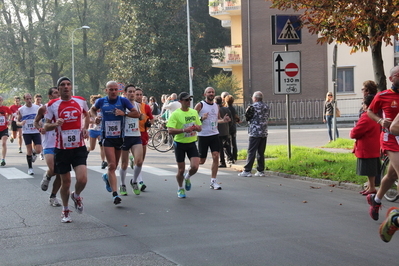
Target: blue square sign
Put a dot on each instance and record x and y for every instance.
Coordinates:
(286, 29)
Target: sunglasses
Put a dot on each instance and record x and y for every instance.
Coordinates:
(330, 95)
(187, 100)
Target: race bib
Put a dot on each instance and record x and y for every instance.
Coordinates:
(112, 128)
(132, 127)
(28, 126)
(192, 133)
(2, 120)
(71, 138)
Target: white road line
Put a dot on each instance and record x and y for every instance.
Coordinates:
(157, 171)
(14, 173)
(204, 171)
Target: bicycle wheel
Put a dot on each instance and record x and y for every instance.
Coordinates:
(162, 141)
(151, 131)
(392, 194)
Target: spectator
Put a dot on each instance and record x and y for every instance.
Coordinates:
(229, 100)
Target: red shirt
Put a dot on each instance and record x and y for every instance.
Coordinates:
(14, 108)
(69, 134)
(388, 102)
(366, 133)
(4, 113)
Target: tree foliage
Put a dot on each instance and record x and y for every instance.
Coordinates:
(358, 23)
(224, 82)
(152, 51)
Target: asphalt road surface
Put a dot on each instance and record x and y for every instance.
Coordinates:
(251, 221)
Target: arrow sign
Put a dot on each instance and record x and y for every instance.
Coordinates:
(287, 74)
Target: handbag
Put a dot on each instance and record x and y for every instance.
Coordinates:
(337, 112)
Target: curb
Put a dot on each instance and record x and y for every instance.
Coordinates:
(336, 184)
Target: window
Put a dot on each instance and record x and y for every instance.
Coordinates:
(345, 80)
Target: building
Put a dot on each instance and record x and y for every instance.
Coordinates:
(250, 58)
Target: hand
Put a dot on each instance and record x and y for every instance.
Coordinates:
(226, 118)
(386, 122)
(59, 122)
(204, 116)
(97, 120)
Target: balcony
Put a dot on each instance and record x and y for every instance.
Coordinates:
(227, 57)
(224, 9)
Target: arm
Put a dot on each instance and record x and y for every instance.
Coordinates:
(19, 118)
(198, 108)
(39, 116)
(48, 126)
(384, 122)
(395, 126)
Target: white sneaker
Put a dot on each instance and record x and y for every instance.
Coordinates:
(214, 185)
(54, 202)
(260, 173)
(41, 156)
(44, 183)
(65, 216)
(244, 173)
(30, 171)
(34, 157)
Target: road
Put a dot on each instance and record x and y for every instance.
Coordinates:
(251, 221)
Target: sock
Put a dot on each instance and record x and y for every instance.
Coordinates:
(114, 194)
(376, 199)
(122, 173)
(65, 208)
(187, 175)
(213, 179)
(53, 195)
(180, 188)
(395, 220)
(75, 195)
(137, 174)
(29, 159)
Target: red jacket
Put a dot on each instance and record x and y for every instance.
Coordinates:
(367, 135)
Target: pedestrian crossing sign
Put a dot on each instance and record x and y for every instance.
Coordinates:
(286, 29)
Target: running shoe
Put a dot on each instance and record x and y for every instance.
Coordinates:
(181, 193)
(78, 203)
(142, 186)
(65, 216)
(19, 150)
(30, 171)
(260, 173)
(34, 157)
(3, 162)
(222, 165)
(122, 190)
(214, 185)
(11, 139)
(244, 173)
(187, 184)
(135, 186)
(41, 156)
(117, 200)
(388, 227)
(107, 185)
(131, 159)
(54, 202)
(104, 164)
(44, 183)
(374, 206)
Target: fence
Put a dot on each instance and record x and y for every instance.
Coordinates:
(307, 111)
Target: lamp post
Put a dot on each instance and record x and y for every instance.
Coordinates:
(73, 59)
(190, 67)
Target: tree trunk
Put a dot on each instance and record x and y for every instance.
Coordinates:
(378, 66)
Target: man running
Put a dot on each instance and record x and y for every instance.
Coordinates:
(25, 118)
(48, 141)
(113, 120)
(66, 115)
(16, 130)
(132, 142)
(209, 136)
(5, 117)
(184, 123)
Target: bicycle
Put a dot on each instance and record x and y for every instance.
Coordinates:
(392, 194)
(162, 141)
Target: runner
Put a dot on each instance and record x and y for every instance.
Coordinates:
(5, 118)
(25, 118)
(113, 119)
(48, 141)
(184, 123)
(68, 113)
(132, 142)
(16, 130)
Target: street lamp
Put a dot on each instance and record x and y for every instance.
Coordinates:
(73, 59)
(190, 66)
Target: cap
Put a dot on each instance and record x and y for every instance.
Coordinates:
(184, 96)
(61, 79)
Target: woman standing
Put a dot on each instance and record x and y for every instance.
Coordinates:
(229, 100)
(367, 147)
(329, 114)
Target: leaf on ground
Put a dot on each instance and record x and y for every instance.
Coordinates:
(314, 187)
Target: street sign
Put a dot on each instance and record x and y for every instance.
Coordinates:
(287, 72)
(121, 87)
(286, 29)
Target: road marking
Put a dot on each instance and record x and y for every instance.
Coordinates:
(157, 171)
(205, 171)
(14, 173)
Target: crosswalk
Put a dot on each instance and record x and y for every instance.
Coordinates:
(15, 173)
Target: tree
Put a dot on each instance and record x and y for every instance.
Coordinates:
(152, 49)
(361, 24)
(224, 82)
